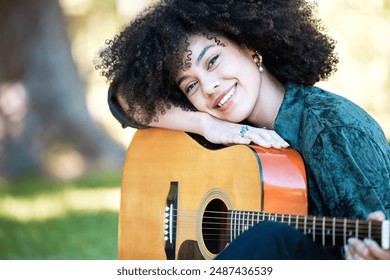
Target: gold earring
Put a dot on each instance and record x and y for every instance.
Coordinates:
(258, 59)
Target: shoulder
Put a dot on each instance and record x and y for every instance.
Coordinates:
(331, 109)
(329, 113)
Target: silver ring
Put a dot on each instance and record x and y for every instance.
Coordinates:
(244, 129)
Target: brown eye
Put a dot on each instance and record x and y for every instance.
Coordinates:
(190, 87)
(212, 61)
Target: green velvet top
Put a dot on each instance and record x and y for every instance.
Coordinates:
(345, 151)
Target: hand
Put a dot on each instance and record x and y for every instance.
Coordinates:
(367, 249)
(226, 133)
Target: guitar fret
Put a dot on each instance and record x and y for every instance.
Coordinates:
(314, 229)
(334, 232)
(345, 231)
(323, 230)
(357, 228)
(369, 229)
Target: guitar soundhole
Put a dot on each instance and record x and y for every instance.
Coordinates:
(214, 226)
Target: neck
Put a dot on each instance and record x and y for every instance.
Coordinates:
(268, 103)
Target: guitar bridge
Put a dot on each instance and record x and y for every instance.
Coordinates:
(171, 221)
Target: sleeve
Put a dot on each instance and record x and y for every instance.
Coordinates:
(349, 172)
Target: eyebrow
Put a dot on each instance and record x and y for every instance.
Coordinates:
(181, 80)
(202, 53)
(198, 60)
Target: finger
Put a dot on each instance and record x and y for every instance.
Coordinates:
(265, 138)
(276, 137)
(259, 140)
(347, 252)
(273, 137)
(376, 251)
(351, 253)
(359, 250)
(377, 216)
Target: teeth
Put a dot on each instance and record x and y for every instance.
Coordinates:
(227, 97)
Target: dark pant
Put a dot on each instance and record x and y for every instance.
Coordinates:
(273, 241)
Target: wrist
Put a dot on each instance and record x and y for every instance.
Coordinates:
(205, 121)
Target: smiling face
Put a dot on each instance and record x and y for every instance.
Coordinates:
(223, 79)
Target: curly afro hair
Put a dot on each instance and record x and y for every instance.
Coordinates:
(141, 61)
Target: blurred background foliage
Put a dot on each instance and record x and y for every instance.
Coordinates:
(61, 151)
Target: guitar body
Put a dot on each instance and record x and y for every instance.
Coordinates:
(239, 177)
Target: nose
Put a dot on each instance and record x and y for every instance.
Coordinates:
(212, 87)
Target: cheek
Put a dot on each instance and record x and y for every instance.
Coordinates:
(251, 79)
(199, 103)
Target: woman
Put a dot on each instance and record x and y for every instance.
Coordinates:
(228, 69)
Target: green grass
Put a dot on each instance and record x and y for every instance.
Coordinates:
(46, 220)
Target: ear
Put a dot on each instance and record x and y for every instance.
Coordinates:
(248, 51)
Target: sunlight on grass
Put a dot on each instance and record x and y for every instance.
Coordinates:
(47, 219)
(47, 206)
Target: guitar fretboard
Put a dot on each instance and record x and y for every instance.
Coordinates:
(324, 231)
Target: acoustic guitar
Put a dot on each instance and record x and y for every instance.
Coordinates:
(184, 198)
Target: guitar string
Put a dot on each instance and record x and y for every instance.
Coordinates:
(330, 229)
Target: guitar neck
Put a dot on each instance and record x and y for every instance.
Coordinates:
(324, 231)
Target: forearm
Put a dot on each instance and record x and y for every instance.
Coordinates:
(178, 119)
(215, 130)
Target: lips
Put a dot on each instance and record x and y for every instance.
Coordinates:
(224, 97)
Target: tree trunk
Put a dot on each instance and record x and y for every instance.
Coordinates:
(42, 102)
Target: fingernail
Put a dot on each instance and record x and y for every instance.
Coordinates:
(368, 242)
(267, 144)
(351, 240)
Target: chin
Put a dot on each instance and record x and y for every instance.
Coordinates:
(235, 119)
